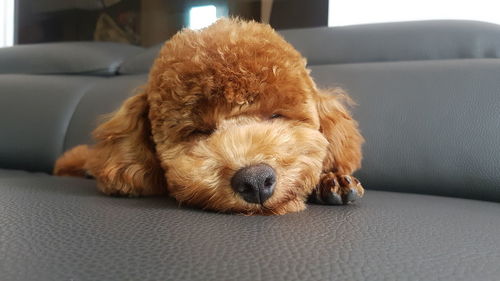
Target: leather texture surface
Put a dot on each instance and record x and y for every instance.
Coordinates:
(35, 112)
(430, 126)
(56, 228)
(87, 58)
(400, 41)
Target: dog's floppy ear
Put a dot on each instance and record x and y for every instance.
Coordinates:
(123, 160)
(341, 131)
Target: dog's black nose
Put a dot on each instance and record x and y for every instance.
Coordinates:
(254, 183)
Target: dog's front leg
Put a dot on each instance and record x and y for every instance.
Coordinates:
(334, 189)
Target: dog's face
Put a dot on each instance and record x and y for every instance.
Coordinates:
(230, 120)
(249, 164)
(234, 119)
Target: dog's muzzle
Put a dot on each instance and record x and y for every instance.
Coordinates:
(254, 183)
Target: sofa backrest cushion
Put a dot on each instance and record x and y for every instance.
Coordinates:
(140, 63)
(104, 97)
(401, 41)
(85, 58)
(42, 116)
(430, 126)
(35, 113)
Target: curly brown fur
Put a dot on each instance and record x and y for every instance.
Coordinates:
(206, 112)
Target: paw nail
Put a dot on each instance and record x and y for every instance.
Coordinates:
(349, 180)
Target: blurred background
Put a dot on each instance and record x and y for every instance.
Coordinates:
(148, 22)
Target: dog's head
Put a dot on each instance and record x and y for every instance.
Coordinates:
(236, 122)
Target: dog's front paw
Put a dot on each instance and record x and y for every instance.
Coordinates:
(336, 189)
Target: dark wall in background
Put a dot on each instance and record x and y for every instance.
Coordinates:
(148, 22)
(246, 9)
(299, 13)
(34, 26)
(60, 20)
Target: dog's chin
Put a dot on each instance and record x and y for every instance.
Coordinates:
(284, 201)
(282, 208)
(228, 202)
(248, 209)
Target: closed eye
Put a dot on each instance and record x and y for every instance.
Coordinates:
(276, 115)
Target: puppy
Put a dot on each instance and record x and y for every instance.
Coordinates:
(230, 121)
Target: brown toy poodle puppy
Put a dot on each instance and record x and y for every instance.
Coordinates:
(230, 121)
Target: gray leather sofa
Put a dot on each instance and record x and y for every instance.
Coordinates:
(428, 96)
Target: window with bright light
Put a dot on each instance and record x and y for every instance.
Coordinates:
(202, 16)
(350, 12)
(6, 23)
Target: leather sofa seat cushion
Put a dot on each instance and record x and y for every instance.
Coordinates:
(85, 58)
(57, 228)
